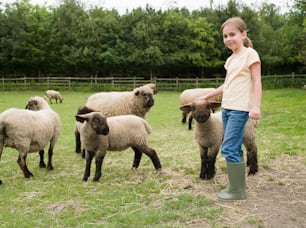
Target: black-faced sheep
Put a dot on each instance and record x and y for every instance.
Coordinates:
(137, 102)
(52, 94)
(209, 135)
(30, 131)
(100, 134)
(188, 96)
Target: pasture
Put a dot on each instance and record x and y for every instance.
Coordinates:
(174, 197)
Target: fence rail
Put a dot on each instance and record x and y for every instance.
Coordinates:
(120, 83)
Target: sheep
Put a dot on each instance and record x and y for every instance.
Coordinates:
(188, 95)
(209, 135)
(100, 134)
(52, 94)
(137, 102)
(30, 131)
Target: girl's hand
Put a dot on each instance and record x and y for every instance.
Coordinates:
(255, 113)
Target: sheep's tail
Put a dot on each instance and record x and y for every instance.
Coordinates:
(147, 127)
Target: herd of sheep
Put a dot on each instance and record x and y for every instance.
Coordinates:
(113, 121)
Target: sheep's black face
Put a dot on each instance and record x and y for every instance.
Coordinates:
(150, 102)
(32, 105)
(201, 111)
(202, 117)
(99, 125)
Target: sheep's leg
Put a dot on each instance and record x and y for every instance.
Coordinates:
(211, 161)
(41, 160)
(137, 158)
(89, 157)
(77, 142)
(252, 162)
(151, 153)
(50, 154)
(83, 153)
(184, 116)
(99, 161)
(190, 122)
(22, 163)
(204, 164)
(1, 148)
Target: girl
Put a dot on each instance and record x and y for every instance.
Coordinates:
(241, 100)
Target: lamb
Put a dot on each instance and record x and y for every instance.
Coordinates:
(137, 102)
(209, 134)
(188, 95)
(52, 94)
(100, 134)
(30, 131)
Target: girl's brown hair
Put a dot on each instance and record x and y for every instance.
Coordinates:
(241, 26)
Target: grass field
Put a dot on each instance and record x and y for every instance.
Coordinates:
(142, 198)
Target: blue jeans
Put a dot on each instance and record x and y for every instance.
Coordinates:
(234, 126)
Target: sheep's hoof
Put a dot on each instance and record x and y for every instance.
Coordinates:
(85, 179)
(42, 165)
(28, 175)
(96, 179)
(50, 167)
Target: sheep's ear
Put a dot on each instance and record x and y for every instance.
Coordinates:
(186, 108)
(81, 118)
(137, 92)
(214, 104)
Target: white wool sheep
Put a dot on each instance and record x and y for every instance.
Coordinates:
(52, 94)
(30, 131)
(188, 96)
(209, 135)
(137, 102)
(100, 134)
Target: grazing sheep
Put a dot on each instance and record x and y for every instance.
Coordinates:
(30, 131)
(188, 95)
(137, 102)
(209, 135)
(52, 94)
(100, 134)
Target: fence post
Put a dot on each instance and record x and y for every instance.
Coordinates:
(25, 82)
(2, 83)
(197, 82)
(292, 79)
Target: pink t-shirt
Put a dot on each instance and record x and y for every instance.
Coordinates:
(238, 91)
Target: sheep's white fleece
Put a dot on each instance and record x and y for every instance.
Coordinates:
(124, 131)
(122, 103)
(27, 130)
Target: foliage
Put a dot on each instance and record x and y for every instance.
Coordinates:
(70, 39)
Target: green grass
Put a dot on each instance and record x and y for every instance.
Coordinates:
(127, 198)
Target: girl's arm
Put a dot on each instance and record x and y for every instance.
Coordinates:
(256, 78)
(216, 92)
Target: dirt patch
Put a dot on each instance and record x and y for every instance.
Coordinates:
(276, 195)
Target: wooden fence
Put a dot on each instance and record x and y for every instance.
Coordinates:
(121, 83)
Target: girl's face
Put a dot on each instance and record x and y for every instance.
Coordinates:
(233, 38)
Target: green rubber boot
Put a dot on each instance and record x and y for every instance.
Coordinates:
(236, 189)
